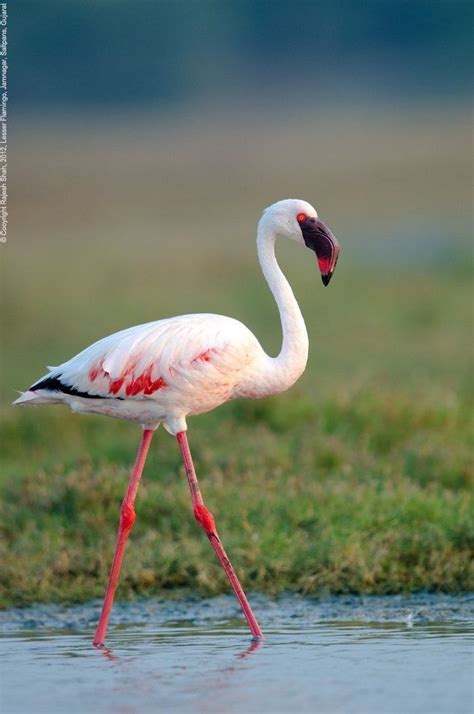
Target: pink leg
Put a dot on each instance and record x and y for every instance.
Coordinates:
(206, 520)
(127, 519)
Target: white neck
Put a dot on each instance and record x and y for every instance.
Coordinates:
(284, 370)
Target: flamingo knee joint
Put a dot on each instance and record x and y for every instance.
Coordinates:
(204, 518)
(127, 516)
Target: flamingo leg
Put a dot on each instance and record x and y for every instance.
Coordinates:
(127, 519)
(206, 521)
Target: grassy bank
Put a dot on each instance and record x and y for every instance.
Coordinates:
(369, 493)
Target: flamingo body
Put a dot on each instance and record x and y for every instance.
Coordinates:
(159, 372)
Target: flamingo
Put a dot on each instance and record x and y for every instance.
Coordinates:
(163, 371)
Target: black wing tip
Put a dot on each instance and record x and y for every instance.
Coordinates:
(54, 384)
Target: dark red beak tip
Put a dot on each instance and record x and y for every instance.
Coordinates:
(326, 279)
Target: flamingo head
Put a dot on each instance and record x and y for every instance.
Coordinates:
(298, 220)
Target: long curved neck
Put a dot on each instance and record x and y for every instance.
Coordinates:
(285, 369)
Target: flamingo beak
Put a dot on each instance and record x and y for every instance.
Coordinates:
(320, 238)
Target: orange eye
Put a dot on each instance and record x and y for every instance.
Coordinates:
(301, 217)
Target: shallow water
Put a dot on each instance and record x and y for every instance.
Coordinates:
(345, 654)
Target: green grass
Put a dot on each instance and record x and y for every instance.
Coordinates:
(357, 480)
(368, 493)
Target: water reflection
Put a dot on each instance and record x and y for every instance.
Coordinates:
(107, 653)
(253, 646)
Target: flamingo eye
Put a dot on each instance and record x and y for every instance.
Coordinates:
(301, 217)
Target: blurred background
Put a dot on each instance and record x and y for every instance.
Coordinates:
(145, 139)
